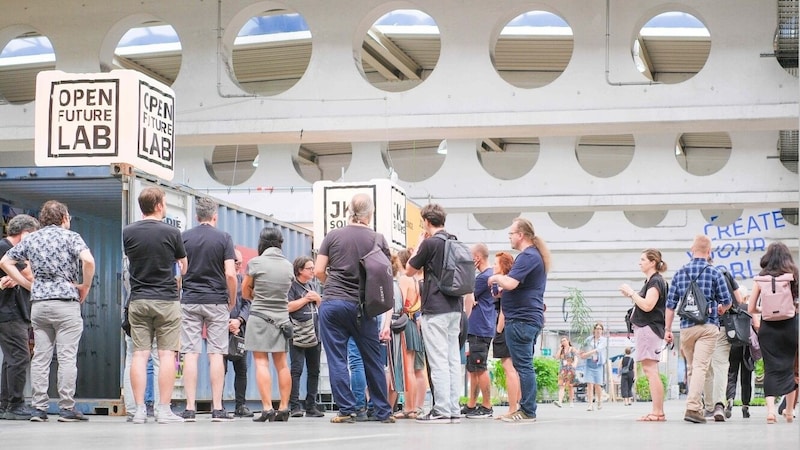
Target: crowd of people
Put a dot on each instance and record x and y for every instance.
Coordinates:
(190, 293)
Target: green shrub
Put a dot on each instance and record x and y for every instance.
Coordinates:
(643, 387)
(546, 369)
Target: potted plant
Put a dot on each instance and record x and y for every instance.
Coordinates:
(546, 377)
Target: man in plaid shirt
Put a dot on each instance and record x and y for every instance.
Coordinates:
(698, 340)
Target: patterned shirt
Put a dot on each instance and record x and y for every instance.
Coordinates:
(53, 253)
(710, 281)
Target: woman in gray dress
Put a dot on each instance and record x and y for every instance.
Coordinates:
(266, 284)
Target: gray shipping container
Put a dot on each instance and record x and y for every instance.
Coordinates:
(101, 203)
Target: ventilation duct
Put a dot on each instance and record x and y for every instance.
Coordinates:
(786, 36)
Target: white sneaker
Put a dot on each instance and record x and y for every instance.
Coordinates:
(557, 403)
(140, 416)
(164, 414)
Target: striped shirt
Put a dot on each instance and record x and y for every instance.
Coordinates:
(710, 281)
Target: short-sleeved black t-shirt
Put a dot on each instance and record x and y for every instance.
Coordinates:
(9, 297)
(152, 247)
(344, 248)
(430, 256)
(655, 317)
(207, 248)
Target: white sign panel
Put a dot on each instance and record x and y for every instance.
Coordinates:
(98, 119)
(332, 202)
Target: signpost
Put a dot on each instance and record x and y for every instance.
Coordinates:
(97, 119)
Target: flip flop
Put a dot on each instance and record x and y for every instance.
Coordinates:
(652, 418)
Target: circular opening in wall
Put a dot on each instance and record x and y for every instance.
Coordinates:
(22, 58)
(645, 219)
(671, 47)
(721, 218)
(605, 156)
(533, 49)
(496, 221)
(323, 160)
(153, 48)
(271, 52)
(508, 158)
(703, 153)
(415, 161)
(232, 165)
(400, 50)
(571, 220)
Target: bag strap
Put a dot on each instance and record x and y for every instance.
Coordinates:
(264, 316)
(701, 272)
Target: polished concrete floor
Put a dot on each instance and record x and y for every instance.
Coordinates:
(612, 427)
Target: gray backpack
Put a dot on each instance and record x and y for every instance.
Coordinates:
(458, 270)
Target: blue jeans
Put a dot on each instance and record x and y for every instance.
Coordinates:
(520, 338)
(358, 378)
(338, 323)
(148, 390)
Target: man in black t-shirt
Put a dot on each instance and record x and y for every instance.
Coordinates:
(153, 249)
(15, 319)
(441, 320)
(209, 293)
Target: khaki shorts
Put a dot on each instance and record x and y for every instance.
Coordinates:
(159, 319)
(215, 318)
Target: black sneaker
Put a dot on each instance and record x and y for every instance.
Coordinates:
(314, 412)
(37, 415)
(745, 411)
(18, 412)
(243, 411)
(366, 416)
(296, 412)
(481, 412)
(71, 415)
(3, 408)
(466, 410)
(189, 415)
(729, 409)
(433, 416)
(220, 415)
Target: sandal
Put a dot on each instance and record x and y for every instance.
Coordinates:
(788, 416)
(405, 415)
(652, 418)
(771, 418)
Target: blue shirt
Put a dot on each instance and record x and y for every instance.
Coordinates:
(710, 281)
(526, 302)
(484, 315)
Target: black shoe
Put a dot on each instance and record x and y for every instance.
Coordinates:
(243, 411)
(466, 410)
(282, 415)
(189, 415)
(266, 416)
(296, 412)
(745, 411)
(314, 412)
(70, 415)
(150, 410)
(729, 409)
(3, 408)
(17, 412)
(220, 415)
(366, 415)
(37, 415)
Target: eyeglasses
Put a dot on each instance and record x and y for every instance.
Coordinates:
(512, 232)
(308, 268)
(666, 346)
(238, 263)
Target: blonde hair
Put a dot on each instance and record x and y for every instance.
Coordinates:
(525, 227)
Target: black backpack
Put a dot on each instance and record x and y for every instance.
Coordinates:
(376, 282)
(458, 269)
(694, 305)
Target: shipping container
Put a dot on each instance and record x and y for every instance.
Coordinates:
(101, 201)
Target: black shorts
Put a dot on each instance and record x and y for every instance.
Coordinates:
(499, 348)
(478, 353)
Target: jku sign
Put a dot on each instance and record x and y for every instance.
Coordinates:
(103, 118)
